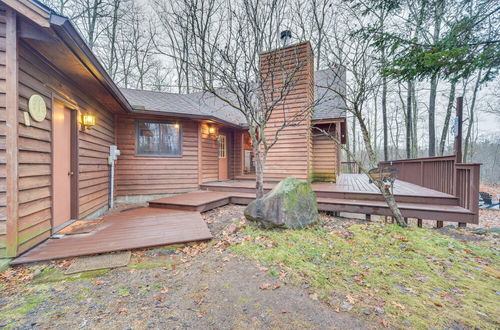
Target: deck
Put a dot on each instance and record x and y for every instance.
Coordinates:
(177, 219)
(354, 194)
(138, 228)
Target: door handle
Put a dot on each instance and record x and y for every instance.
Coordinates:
(70, 173)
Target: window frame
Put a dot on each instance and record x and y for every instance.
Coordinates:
(224, 149)
(181, 131)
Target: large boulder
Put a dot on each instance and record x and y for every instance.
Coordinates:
(291, 204)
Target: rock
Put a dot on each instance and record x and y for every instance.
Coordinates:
(379, 311)
(346, 306)
(483, 231)
(291, 204)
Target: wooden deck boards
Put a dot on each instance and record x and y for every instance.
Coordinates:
(196, 198)
(347, 183)
(132, 229)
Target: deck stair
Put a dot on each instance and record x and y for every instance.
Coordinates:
(201, 201)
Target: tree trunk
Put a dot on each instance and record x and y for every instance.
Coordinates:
(259, 173)
(388, 196)
(471, 118)
(438, 16)
(408, 120)
(384, 118)
(446, 125)
(432, 115)
(414, 140)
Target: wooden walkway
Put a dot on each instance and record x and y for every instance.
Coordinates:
(176, 219)
(138, 228)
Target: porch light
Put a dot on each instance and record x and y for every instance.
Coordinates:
(88, 120)
(211, 129)
(176, 125)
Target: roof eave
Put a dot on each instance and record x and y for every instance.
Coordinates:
(188, 116)
(65, 30)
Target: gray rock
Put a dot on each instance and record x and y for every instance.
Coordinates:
(346, 306)
(291, 204)
(482, 231)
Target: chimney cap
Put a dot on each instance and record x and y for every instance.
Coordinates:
(285, 36)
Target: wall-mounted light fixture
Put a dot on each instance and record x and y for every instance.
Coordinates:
(88, 120)
(176, 125)
(211, 130)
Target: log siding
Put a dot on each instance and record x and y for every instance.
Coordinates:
(35, 149)
(154, 175)
(324, 155)
(291, 155)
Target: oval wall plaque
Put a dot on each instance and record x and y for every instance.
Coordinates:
(37, 108)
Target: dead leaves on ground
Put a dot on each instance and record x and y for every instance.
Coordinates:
(267, 286)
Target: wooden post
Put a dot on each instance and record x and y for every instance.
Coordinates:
(11, 111)
(462, 225)
(406, 220)
(458, 133)
(439, 224)
(419, 223)
(368, 217)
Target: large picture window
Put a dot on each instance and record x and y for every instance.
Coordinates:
(158, 138)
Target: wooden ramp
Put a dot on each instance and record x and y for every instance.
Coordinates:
(132, 229)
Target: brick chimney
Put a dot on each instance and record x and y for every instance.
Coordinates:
(288, 71)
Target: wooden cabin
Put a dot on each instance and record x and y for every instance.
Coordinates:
(61, 115)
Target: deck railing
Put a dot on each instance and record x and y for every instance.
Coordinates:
(442, 174)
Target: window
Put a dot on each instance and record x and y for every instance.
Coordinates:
(158, 138)
(222, 146)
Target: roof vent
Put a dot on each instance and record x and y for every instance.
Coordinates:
(285, 37)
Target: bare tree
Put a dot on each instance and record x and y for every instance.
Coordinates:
(447, 118)
(230, 66)
(356, 54)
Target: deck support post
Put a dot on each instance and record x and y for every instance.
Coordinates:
(439, 224)
(419, 223)
(406, 220)
(462, 225)
(368, 217)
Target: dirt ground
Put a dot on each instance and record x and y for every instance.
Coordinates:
(202, 286)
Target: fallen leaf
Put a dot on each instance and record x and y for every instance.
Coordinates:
(123, 310)
(438, 304)
(398, 305)
(277, 286)
(265, 286)
(165, 290)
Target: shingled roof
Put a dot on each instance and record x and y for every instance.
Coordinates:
(205, 105)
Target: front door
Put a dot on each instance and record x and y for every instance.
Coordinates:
(223, 157)
(61, 119)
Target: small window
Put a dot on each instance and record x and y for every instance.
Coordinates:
(222, 146)
(158, 138)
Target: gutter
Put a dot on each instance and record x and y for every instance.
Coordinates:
(189, 116)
